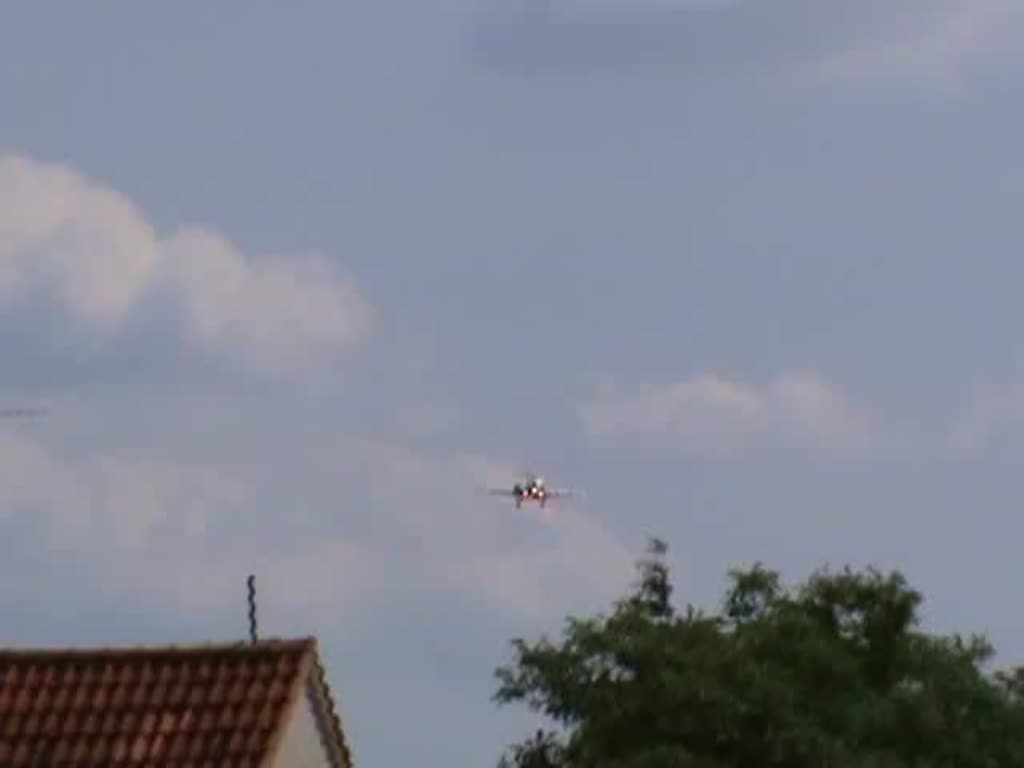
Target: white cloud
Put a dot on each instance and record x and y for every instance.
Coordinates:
(391, 525)
(925, 44)
(179, 536)
(716, 415)
(938, 50)
(89, 241)
(121, 504)
(94, 251)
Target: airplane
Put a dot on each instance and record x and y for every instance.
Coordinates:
(532, 488)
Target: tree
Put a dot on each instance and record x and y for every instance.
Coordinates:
(834, 673)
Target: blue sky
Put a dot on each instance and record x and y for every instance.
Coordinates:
(297, 284)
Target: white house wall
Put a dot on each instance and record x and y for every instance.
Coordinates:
(301, 746)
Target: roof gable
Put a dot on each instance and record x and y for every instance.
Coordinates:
(218, 705)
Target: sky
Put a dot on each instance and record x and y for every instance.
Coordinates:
(298, 282)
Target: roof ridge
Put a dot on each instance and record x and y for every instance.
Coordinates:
(260, 646)
(332, 710)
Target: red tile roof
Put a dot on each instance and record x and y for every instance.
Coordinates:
(214, 705)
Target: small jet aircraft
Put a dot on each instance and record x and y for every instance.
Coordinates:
(532, 489)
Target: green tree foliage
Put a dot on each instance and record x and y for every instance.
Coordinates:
(832, 673)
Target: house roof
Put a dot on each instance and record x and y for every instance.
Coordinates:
(210, 705)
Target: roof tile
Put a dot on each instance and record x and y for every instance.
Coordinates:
(165, 707)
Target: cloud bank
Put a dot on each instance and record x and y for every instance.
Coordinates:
(931, 44)
(87, 248)
(714, 415)
(385, 525)
(938, 49)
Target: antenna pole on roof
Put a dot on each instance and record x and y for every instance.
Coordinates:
(252, 607)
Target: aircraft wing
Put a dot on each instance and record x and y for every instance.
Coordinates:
(561, 493)
(501, 492)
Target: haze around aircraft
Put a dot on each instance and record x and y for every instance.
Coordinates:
(532, 489)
